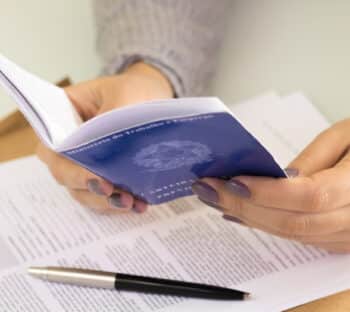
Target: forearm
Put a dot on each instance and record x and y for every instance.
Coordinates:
(180, 38)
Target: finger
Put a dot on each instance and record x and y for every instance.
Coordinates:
(324, 191)
(117, 203)
(287, 222)
(75, 177)
(337, 237)
(324, 151)
(268, 229)
(344, 162)
(85, 98)
(335, 248)
(72, 175)
(140, 206)
(296, 194)
(290, 225)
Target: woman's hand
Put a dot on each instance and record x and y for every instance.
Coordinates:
(139, 83)
(312, 207)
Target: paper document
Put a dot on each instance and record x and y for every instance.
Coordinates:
(41, 225)
(154, 150)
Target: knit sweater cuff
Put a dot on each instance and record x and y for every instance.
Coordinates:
(121, 62)
(181, 38)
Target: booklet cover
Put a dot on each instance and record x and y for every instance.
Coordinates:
(154, 150)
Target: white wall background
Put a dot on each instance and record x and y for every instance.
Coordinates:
(50, 38)
(272, 44)
(288, 45)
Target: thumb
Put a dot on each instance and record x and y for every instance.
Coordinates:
(106, 107)
(84, 98)
(325, 151)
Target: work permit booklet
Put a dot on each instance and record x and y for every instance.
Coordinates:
(40, 224)
(154, 150)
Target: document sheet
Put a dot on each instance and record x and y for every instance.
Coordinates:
(41, 225)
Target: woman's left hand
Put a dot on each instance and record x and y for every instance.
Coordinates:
(312, 207)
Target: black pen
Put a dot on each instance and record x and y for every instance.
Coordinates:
(119, 281)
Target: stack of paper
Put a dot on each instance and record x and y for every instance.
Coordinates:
(41, 225)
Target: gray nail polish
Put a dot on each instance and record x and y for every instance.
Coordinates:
(210, 204)
(94, 187)
(238, 188)
(291, 172)
(115, 201)
(232, 219)
(134, 208)
(136, 205)
(205, 192)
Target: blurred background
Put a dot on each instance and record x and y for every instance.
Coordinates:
(271, 45)
(50, 38)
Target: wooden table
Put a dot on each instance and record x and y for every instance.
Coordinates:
(17, 139)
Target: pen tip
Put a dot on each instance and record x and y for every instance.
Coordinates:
(35, 271)
(246, 296)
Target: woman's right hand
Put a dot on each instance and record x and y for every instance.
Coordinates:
(138, 83)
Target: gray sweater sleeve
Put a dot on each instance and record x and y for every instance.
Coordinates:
(179, 37)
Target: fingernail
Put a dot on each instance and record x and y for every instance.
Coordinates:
(139, 206)
(115, 201)
(205, 192)
(210, 204)
(94, 186)
(291, 172)
(232, 219)
(238, 188)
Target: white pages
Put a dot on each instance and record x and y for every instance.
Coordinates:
(57, 123)
(41, 225)
(46, 106)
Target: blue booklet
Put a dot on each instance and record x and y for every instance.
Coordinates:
(154, 150)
